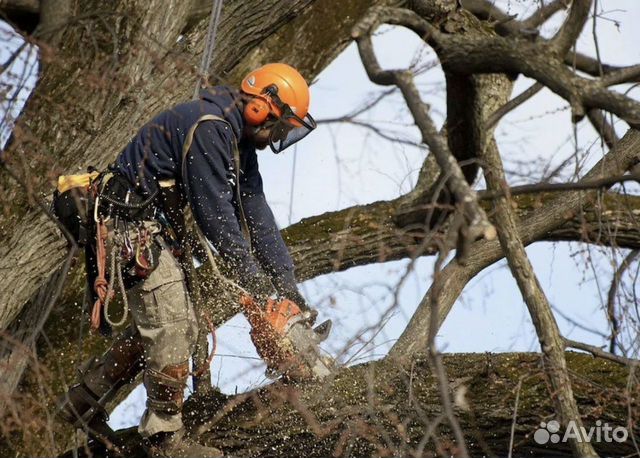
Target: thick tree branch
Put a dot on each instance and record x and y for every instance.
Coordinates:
(598, 352)
(366, 403)
(588, 64)
(552, 216)
(571, 28)
(603, 127)
(25, 6)
(472, 56)
(466, 55)
(508, 26)
(622, 75)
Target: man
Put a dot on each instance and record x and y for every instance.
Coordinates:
(201, 153)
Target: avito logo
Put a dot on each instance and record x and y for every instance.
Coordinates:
(550, 432)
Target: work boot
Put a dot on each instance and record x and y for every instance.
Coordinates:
(177, 445)
(100, 379)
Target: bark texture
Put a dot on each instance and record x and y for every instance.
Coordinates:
(108, 66)
(377, 409)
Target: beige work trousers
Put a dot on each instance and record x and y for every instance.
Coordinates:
(164, 315)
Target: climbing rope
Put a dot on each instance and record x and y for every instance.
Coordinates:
(210, 44)
(116, 266)
(101, 285)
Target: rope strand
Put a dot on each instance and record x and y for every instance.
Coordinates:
(207, 55)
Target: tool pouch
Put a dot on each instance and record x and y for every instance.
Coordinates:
(71, 205)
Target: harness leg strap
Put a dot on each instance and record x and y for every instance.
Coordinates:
(165, 389)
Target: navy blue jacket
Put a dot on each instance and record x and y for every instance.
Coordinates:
(155, 154)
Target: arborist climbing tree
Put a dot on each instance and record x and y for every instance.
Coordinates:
(199, 155)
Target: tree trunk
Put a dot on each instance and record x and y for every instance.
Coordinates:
(118, 63)
(376, 409)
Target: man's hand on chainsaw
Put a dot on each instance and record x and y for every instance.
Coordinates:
(285, 339)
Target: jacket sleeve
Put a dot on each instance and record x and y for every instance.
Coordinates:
(211, 185)
(268, 245)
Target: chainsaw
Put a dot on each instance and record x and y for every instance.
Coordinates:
(285, 339)
(282, 334)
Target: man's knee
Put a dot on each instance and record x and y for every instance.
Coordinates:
(165, 397)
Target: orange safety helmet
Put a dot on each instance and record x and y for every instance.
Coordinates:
(279, 93)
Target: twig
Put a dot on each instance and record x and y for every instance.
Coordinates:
(572, 26)
(602, 183)
(512, 104)
(595, 351)
(611, 296)
(515, 416)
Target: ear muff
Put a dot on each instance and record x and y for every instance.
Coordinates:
(256, 111)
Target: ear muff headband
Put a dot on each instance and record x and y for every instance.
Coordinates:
(260, 106)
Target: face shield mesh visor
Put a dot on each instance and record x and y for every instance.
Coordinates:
(289, 130)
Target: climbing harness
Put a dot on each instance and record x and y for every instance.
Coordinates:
(117, 213)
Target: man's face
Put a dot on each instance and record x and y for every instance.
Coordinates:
(270, 130)
(260, 136)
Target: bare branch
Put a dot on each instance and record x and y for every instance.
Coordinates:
(487, 11)
(542, 14)
(465, 196)
(601, 183)
(622, 75)
(470, 56)
(369, 126)
(588, 64)
(544, 322)
(551, 216)
(611, 297)
(358, 111)
(603, 127)
(25, 6)
(513, 104)
(595, 351)
(506, 24)
(436, 360)
(566, 37)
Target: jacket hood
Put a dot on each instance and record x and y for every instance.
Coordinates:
(229, 103)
